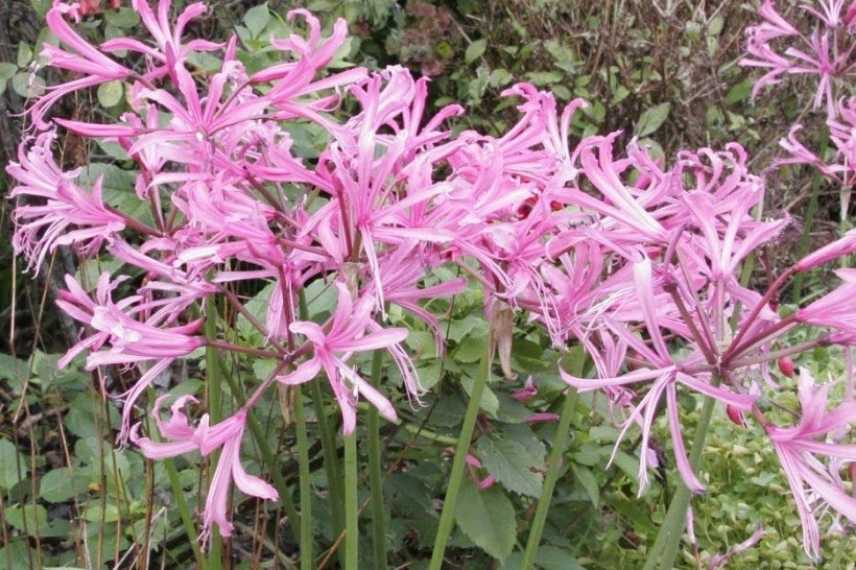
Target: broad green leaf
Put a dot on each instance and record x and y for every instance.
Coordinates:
(739, 92)
(264, 367)
(500, 77)
(122, 18)
(652, 119)
(95, 513)
(459, 328)
(25, 54)
(27, 85)
(41, 7)
(429, 374)
(511, 411)
(114, 150)
(29, 518)
(91, 269)
(487, 518)
(475, 50)
(544, 78)
(257, 18)
(10, 461)
(60, 485)
(562, 55)
(421, 344)
(204, 61)
(7, 70)
(489, 402)
(257, 307)
(548, 558)
(589, 483)
(471, 349)
(15, 371)
(13, 553)
(512, 465)
(118, 187)
(110, 93)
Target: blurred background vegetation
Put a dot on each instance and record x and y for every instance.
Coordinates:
(663, 71)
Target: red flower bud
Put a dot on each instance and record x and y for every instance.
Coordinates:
(735, 416)
(787, 366)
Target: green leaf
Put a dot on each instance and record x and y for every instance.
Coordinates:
(122, 18)
(429, 374)
(25, 54)
(489, 402)
(41, 7)
(7, 70)
(652, 119)
(487, 518)
(95, 513)
(113, 150)
(739, 92)
(257, 307)
(204, 61)
(264, 367)
(29, 518)
(16, 372)
(118, 186)
(500, 77)
(13, 553)
(512, 464)
(544, 78)
(587, 479)
(10, 459)
(60, 485)
(549, 558)
(562, 55)
(110, 93)
(470, 350)
(257, 18)
(91, 269)
(27, 85)
(475, 50)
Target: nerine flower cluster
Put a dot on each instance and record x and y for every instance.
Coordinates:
(635, 259)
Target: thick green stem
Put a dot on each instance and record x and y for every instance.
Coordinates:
(447, 517)
(376, 472)
(328, 445)
(554, 464)
(331, 460)
(305, 482)
(352, 533)
(668, 542)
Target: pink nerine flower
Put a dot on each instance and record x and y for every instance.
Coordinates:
(182, 438)
(665, 375)
(332, 349)
(83, 58)
(800, 449)
(131, 341)
(40, 228)
(817, 53)
(168, 51)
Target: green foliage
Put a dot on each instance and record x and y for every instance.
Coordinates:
(487, 518)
